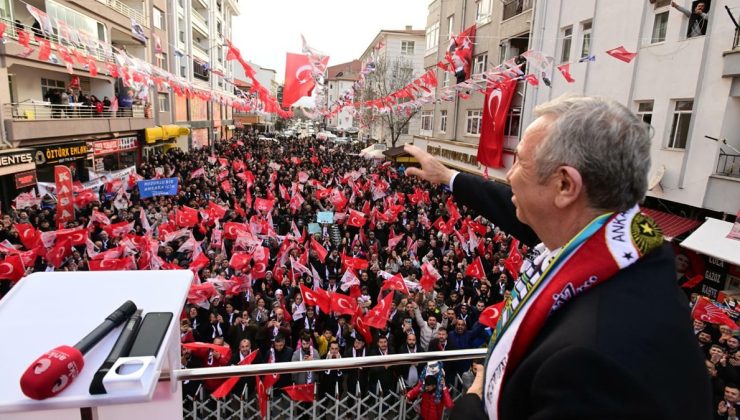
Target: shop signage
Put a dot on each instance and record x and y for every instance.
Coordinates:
(17, 157)
(114, 145)
(46, 155)
(25, 179)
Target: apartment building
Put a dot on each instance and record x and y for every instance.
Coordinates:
(402, 51)
(257, 121)
(339, 81)
(198, 56)
(450, 130)
(37, 129)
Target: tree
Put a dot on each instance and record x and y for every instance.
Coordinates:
(389, 76)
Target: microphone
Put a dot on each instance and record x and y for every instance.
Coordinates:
(54, 370)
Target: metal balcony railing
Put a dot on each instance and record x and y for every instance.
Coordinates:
(126, 10)
(11, 33)
(728, 164)
(40, 110)
(373, 402)
(736, 39)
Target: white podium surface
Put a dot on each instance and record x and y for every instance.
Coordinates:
(46, 310)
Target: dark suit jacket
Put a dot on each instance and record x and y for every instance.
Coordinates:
(603, 354)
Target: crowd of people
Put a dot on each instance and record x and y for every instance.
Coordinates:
(274, 191)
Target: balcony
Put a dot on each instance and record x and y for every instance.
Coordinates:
(723, 187)
(40, 119)
(516, 7)
(199, 22)
(728, 165)
(127, 11)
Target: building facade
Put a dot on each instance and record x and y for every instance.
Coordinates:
(399, 51)
(198, 56)
(340, 80)
(257, 121)
(48, 109)
(451, 130)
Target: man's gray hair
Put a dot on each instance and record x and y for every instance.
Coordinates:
(604, 141)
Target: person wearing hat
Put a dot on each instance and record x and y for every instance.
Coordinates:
(357, 379)
(432, 406)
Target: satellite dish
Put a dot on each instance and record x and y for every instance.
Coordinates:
(657, 176)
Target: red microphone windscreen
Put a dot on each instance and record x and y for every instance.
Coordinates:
(51, 373)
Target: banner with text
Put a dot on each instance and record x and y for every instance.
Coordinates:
(154, 187)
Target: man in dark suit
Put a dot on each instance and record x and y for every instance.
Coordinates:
(600, 279)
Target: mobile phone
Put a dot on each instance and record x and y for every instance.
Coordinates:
(151, 333)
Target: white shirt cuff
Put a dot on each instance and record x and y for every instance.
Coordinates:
(452, 179)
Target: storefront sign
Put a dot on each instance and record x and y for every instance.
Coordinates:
(715, 275)
(114, 145)
(453, 155)
(16, 160)
(46, 155)
(25, 179)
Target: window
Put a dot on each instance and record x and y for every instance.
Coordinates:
(479, 63)
(443, 121)
(446, 81)
(433, 36)
(49, 84)
(161, 61)
(660, 26)
(483, 10)
(164, 102)
(158, 17)
(515, 7)
(407, 47)
(450, 25)
(586, 39)
(645, 111)
(77, 21)
(426, 121)
(680, 126)
(567, 35)
(405, 128)
(513, 120)
(182, 36)
(473, 122)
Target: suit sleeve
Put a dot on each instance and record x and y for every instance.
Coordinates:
(468, 407)
(561, 392)
(493, 201)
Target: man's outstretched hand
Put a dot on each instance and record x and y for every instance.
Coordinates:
(431, 170)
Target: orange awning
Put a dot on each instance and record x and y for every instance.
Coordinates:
(671, 225)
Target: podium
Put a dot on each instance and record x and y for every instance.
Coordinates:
(45, 310)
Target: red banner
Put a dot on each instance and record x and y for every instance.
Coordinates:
(65, 211)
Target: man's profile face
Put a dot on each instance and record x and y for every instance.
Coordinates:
(533, 200)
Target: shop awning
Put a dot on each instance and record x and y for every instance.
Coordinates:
(152, 134)
(671, 225)
(711, 239)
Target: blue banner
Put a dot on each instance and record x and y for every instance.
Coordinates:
(325, 217)
(154, 187)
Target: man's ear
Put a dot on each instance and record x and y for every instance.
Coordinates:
(569, 184)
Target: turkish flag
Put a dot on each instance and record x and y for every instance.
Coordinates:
(85, 197)
(240, 260)
(28, 234)
(226, 387)
(429, 277)
(304, 393)
(11, 268)
(119, 229)
(495, 110)
(215, 211)
(111, 264)
(262, 204)
(395, 283)
(299, 80)
(564, 69)
(226, 186)
(462, 47)
(261, 258)
(490, 315)
(360, 325)
(261, 394)
(318, 297)
(76, 236)
(234, 229)
(338, 199)
(355, 263)
(443, 226)
(29, 257)
(56, 255)
(705, 310)
(621, 54)
(379, 316)
(201, 293)
(514, 261)
(343, 304)
(475, 270)
(186, 217)
(356, 219)
(45, 50)
(320, 250)
(321, 194)
(692, 282)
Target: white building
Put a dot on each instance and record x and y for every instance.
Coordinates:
(403, 46)
(265, 77)
(340, 79)
(686, 88)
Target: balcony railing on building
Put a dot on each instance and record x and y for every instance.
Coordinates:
(126, 10)
(374, 402)
(11, 32)
(38, 110)
(728, 164)
(736, 39)
(515, 7)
